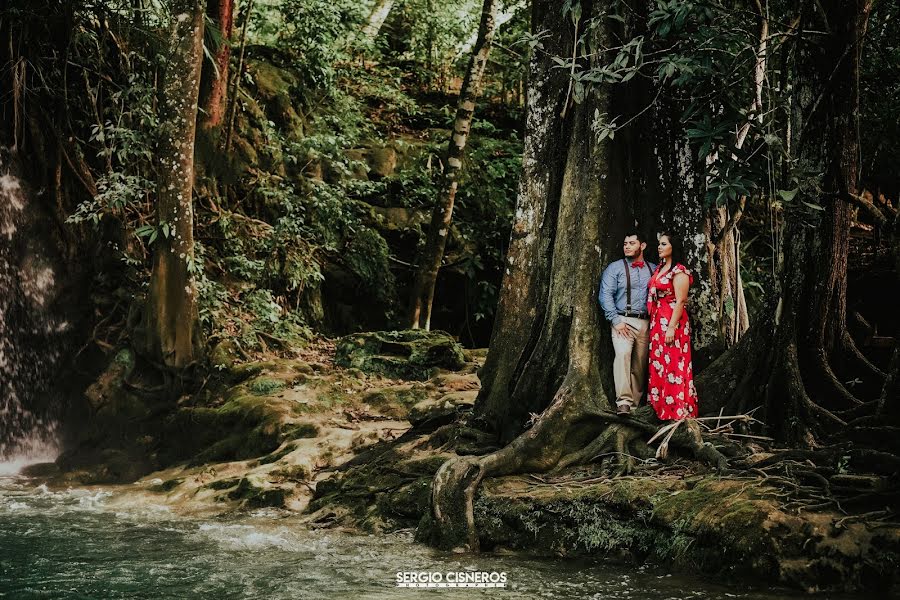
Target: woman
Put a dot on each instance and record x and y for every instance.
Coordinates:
(672, 393)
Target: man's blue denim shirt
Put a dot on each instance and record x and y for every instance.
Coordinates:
(612, 289)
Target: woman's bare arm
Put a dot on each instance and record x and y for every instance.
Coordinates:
(681, 282)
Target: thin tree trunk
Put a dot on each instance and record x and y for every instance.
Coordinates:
(376, 19)
(214, 84)
(236, 86)
(171, 317)
(723, 237)
(422, 294)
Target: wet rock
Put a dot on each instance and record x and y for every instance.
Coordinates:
(40, 470)
(255, 494)
(410, 354)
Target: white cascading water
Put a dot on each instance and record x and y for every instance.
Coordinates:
(27, 331)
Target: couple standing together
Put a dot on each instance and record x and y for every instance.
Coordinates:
(646, 305)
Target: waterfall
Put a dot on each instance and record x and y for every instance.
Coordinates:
(29, 333)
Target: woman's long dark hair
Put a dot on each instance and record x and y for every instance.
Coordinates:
(678, 255)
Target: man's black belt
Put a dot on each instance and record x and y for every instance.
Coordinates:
(631, 313)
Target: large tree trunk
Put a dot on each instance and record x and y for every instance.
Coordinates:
(171, 317)
(803, 396)
(543, 354)
(422, 293)
(214, 82)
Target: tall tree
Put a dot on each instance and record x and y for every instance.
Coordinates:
(794, 358)
(422, 293)
(214, 81)
(171, 315)
(542, 373)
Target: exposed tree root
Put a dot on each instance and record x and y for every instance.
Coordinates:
(829, 384)
(565, 435)
(850, 349)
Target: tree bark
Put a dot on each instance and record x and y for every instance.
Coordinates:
(376, 19)
(422, 293)
(171, 316)
(889, 402)
(214, 82)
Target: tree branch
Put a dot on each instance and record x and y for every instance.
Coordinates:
(875, 212)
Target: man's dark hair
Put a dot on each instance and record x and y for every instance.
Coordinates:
(637, 234)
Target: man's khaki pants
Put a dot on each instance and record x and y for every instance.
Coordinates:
(630, 364)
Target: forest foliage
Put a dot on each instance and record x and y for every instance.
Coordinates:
(293, 196)
(291, 201)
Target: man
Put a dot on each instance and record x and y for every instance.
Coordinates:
(623, 298)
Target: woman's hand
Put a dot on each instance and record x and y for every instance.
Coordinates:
(670, 335)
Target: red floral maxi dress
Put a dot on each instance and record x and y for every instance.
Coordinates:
(672, 393)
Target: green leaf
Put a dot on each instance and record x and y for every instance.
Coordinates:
(788, 195)
(579, 92)
(813, 206)
(144, 231)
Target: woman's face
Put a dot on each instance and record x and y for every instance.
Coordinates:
(665, 248)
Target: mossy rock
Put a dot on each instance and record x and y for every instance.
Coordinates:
(109, 385)
(246, 426)
(252, 495)
(396, 401)
(284, 367)
(223, 355)
(411, 354)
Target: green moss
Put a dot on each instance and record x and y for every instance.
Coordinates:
(264, 386)
(125, 358)
(396, 401)
(302, 430)
(244, 427)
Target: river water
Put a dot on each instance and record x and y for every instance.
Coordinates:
(82, 543)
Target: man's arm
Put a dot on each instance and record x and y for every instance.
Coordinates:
(608, 295)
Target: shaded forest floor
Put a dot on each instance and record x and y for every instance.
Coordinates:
(329, 435)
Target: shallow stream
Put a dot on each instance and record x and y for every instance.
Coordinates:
(82, 543)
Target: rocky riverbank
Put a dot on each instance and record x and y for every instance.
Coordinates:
(350, 436)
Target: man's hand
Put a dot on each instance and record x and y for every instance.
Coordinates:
(624, 330)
